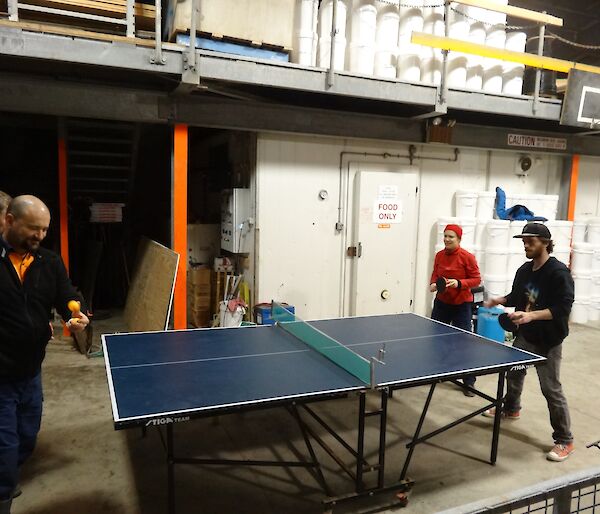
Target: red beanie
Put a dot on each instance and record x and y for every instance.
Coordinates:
(455, 228)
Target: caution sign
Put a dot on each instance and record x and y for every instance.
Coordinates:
(387, 212)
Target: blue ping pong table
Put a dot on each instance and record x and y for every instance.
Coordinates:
(161, 378)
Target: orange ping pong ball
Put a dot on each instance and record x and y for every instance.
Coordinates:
(73, 306)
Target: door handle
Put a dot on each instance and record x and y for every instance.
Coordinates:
(354, 251)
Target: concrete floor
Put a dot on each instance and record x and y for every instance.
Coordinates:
(83, 466)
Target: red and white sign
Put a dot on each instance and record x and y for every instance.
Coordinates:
(386, 212)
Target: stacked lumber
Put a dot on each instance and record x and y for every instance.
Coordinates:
(73, 13)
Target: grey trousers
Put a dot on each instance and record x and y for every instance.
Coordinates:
(549, 377)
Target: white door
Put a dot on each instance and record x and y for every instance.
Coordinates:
(384, 241)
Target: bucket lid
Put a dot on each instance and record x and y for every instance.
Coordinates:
(486, 194)
(583, 247)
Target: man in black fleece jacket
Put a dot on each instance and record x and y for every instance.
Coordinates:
(542, 294)
(33, 280)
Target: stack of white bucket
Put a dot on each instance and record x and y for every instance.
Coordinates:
(373, 38)
(585, 268)
(490, 240)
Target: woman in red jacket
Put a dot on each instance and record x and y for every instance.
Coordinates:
(459, 269)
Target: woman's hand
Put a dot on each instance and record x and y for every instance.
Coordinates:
(432, 288)
(452, 282)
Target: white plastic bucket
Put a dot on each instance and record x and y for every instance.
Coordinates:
(596, 260)
(548, 206)
(474, 76)
(466, 204)
(593, 231)
(579, 231)
(362, 59)
(386, 41)
(457, 71)
(516, 258)
(515, 41)
(583, 285)
(326, 15)
(480, 232)
(496, 261)
(563, 254)
(512, 80)
(595, 291)
(441, 224)
(468, 228)
(512, 74)
(594, 309)
(495, 285)
(303, 50)
(409, 67)
(492, 78)
(582, 257)
(364, 24)
(496, 234)
(324, 56)
(485, 204)
(579, 312)
(561, 231)
(386, 64)
(431, 67)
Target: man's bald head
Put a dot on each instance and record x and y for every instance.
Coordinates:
(27, 221)
(27, 204)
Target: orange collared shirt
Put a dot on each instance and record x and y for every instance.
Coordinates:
(21, 263)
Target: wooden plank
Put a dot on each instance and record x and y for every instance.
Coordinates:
(517, 12)
(150, 294)
(92, 7)
(74, 32)
(533, 60)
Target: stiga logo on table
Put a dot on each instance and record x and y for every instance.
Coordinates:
(521, 367)
(166, 421)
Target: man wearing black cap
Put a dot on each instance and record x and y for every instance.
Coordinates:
(542, 294)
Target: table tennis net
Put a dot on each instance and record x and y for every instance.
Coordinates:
(334, 350)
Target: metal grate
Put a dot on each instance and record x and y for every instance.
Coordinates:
(572, 494)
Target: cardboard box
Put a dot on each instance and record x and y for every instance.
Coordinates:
(258, 21)
(200, 317)
(200, 276)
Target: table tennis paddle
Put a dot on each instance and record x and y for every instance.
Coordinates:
(506, 323)
(440, 284)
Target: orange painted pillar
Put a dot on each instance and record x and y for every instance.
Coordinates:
(573, 187)
(63, 210)
(179, 228)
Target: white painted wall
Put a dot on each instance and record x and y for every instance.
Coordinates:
(300, 256)
(588, 188)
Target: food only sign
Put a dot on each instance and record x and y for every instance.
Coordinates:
(387, 209)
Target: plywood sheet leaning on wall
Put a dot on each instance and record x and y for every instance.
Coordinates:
(150, 294)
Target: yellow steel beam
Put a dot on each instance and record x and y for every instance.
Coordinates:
(533, 60)
(517, 12)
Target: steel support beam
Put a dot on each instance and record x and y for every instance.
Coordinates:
(26, 94)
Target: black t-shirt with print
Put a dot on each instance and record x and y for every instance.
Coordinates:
(549, 287)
